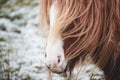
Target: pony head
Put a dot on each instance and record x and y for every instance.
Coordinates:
(64, 33)
(54, 56)
(81, 28)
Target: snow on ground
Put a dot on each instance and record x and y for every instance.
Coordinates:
(22, 48)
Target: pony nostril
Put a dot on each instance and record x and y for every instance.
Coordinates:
(59, 57)
(45, 55)
(58, 60)
(48, 66)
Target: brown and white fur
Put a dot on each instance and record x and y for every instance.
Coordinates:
(79, 29)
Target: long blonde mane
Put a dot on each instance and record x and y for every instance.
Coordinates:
(93, 26)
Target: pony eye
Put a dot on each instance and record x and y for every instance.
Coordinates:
(59, 58)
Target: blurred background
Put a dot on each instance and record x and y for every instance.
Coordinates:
(22, 48)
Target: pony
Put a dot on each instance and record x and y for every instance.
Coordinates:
(82, 29)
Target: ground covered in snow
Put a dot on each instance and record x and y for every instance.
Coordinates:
(22, 48)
